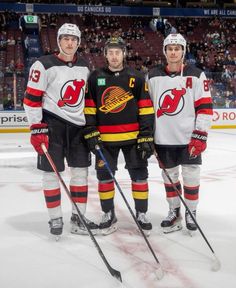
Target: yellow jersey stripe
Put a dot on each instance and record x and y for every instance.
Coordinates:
(140, 195)
(90, 111)
(106, 195)
(119, 136)
(145, 111)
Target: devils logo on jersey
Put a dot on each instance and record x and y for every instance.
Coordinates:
(171, 102)
(72, 93)
(114, 99)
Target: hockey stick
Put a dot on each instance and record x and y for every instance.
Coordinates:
(216, 264)
(113, 272)
(159, 271)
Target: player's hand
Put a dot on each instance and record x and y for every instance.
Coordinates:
(145, 147)
(198, 143)
(39, 136)
(93, 138)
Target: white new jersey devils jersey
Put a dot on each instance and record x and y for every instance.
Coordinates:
(181, 104)
(58, 88)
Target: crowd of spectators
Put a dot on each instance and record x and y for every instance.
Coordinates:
(211, 46)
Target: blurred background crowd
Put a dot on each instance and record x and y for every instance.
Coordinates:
(211, 45)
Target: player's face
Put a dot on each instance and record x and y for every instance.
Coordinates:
(115, 58)
(174, 54)
(69, 44)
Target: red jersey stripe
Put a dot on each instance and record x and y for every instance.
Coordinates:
(118, 128)
(203, 101)
(145, 103)
(31, 103)
(89, 103)
(140, 187)
(171, 194)
(103, 187)
(53, 204)
(80, 199)
(34, 92)
(79, 188)
(52, 192)
(191, 196)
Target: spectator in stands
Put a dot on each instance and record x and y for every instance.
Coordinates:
(137, 58)
(94, 49)
(47, 51)
(44, 21)
(11, 41)
(147, 62)
(8, 103)
(27, 45)
(1, 74)
(53, 19)
(19, 66)
(10, 68)
(3, 42)
(168, 28)
(226, 75)
(2, 21)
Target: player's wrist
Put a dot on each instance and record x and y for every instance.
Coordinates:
(39, 128)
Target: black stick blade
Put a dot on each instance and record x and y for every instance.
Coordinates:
(116, 274)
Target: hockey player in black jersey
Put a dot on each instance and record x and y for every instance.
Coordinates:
(54, 103)
(183, 111)
(119, 117)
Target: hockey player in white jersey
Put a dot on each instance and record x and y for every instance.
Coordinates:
(183, 111)
(54, 104)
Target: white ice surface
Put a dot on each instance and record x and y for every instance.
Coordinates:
(29, 258)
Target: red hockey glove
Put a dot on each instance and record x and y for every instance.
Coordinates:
(198, 143)
(93, 138)
(145, 147)
(39, 135)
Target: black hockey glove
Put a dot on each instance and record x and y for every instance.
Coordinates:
(93, 138)
(145, 147)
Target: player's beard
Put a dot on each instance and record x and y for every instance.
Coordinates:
(115, 65)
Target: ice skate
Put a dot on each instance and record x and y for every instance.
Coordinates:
(173, 221)
(144, 222)
(190, 225)
(108, 223)
(56, 227)
(77, 226)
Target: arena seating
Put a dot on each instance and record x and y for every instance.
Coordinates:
(96, 31)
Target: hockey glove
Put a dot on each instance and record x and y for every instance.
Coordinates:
(39, 136)
(93, 138)
(198, 143)
(145, 147)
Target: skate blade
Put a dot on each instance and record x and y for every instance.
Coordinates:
(190, 233)
(76, 230)
(173, 228)
(55, 237)
(108, 231)
(146, 232)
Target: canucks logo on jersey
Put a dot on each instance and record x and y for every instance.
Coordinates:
(114, 99)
